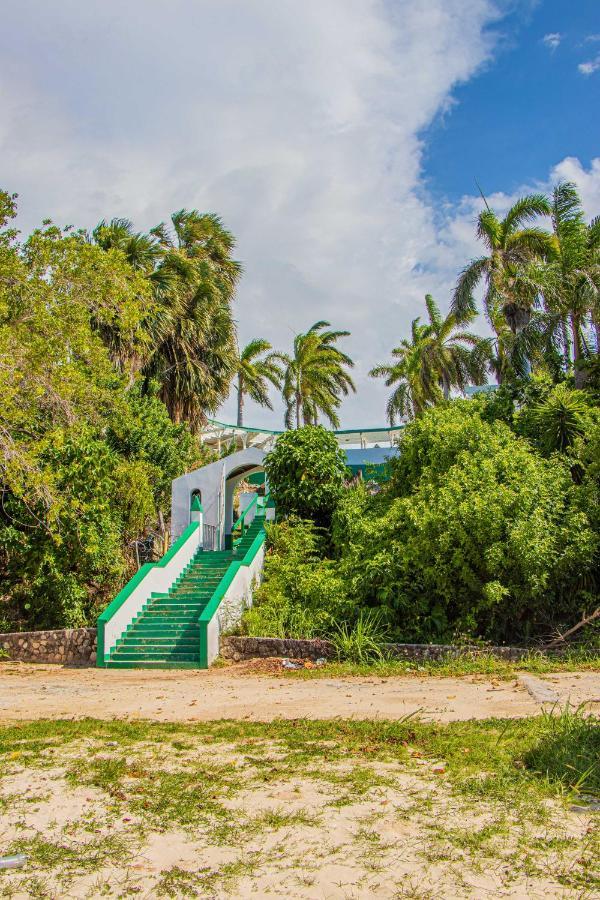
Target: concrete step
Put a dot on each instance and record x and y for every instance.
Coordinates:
(145, 664)
(159, 656)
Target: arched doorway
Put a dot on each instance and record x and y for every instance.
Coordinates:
(235, 476)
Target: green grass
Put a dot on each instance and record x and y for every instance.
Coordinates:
(553, 752)
(490, 805)
(71, 856)
(447, 666)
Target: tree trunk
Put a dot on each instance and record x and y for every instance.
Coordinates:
(566, 344)
(577, 350)
(240, 414)
(298, 408)
(445, 385)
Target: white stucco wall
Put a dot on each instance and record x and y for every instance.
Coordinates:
(158, 580)
(208, 480)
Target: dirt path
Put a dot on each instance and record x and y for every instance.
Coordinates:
(44, 691)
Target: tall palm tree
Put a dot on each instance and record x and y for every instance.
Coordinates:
(512, 245)
(315, 377)
(255, 371)
(191, 327)
(143, 251)
(513, 354)
(438, 357)
(571, 280)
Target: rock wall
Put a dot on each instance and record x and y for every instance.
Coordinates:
(238, 648)
(71, 646)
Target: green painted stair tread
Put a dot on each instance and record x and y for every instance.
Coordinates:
(145, 664)
(166, 634)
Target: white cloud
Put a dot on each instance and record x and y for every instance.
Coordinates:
(297, 122)
(589, 67)
(552, 40)
(587, 181)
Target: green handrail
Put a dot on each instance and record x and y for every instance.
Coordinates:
(241, 521)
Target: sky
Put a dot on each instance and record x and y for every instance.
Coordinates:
(342, 142)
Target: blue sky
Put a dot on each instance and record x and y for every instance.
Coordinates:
(529, 107)
(338, 140)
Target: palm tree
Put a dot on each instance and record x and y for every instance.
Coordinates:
(254, 374)
(191, 328)
(439, 356)
(315, 377)
(143, 251)
(459, 356)
(130, 349)
(560, 418)
(512, 245)
(571, 280)
(513, 354)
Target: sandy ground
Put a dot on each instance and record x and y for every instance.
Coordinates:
(313, 832)
(44, 691)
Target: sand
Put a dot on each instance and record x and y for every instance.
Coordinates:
(45, 691)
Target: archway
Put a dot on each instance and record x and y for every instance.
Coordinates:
(241, 473)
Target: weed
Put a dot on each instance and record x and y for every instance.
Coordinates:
(362, 642)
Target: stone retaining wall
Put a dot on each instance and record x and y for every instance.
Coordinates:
(238, 648)
(71, 646)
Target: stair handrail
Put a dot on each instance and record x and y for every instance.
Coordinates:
(241, 520)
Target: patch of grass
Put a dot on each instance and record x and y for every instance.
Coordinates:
(485, 758)
(568, 751)
(451, 666)
(273, 820)
(71, 857)
(498, 775)
(352, 785)
(178, 882)
(185, 798)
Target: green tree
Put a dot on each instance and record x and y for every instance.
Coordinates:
(555, 423)
(142, 430)
(440, 355)
(571, 279)
(84, 459)
(306, 471)
(315, 377)
(479, 534)
(512, 246)
(254, 373)
(190, 329)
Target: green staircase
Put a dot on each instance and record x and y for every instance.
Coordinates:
(165, 635)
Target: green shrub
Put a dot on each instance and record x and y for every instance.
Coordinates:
(306, 472)
(302, 595)
(143, 431)
(361, 642)
(58, 574)
(481, 535)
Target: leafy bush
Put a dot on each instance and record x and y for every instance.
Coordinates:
(555, 423)
(58, 573)
(306, 472)
(481, 535)
(143, 431)
(302, 595)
